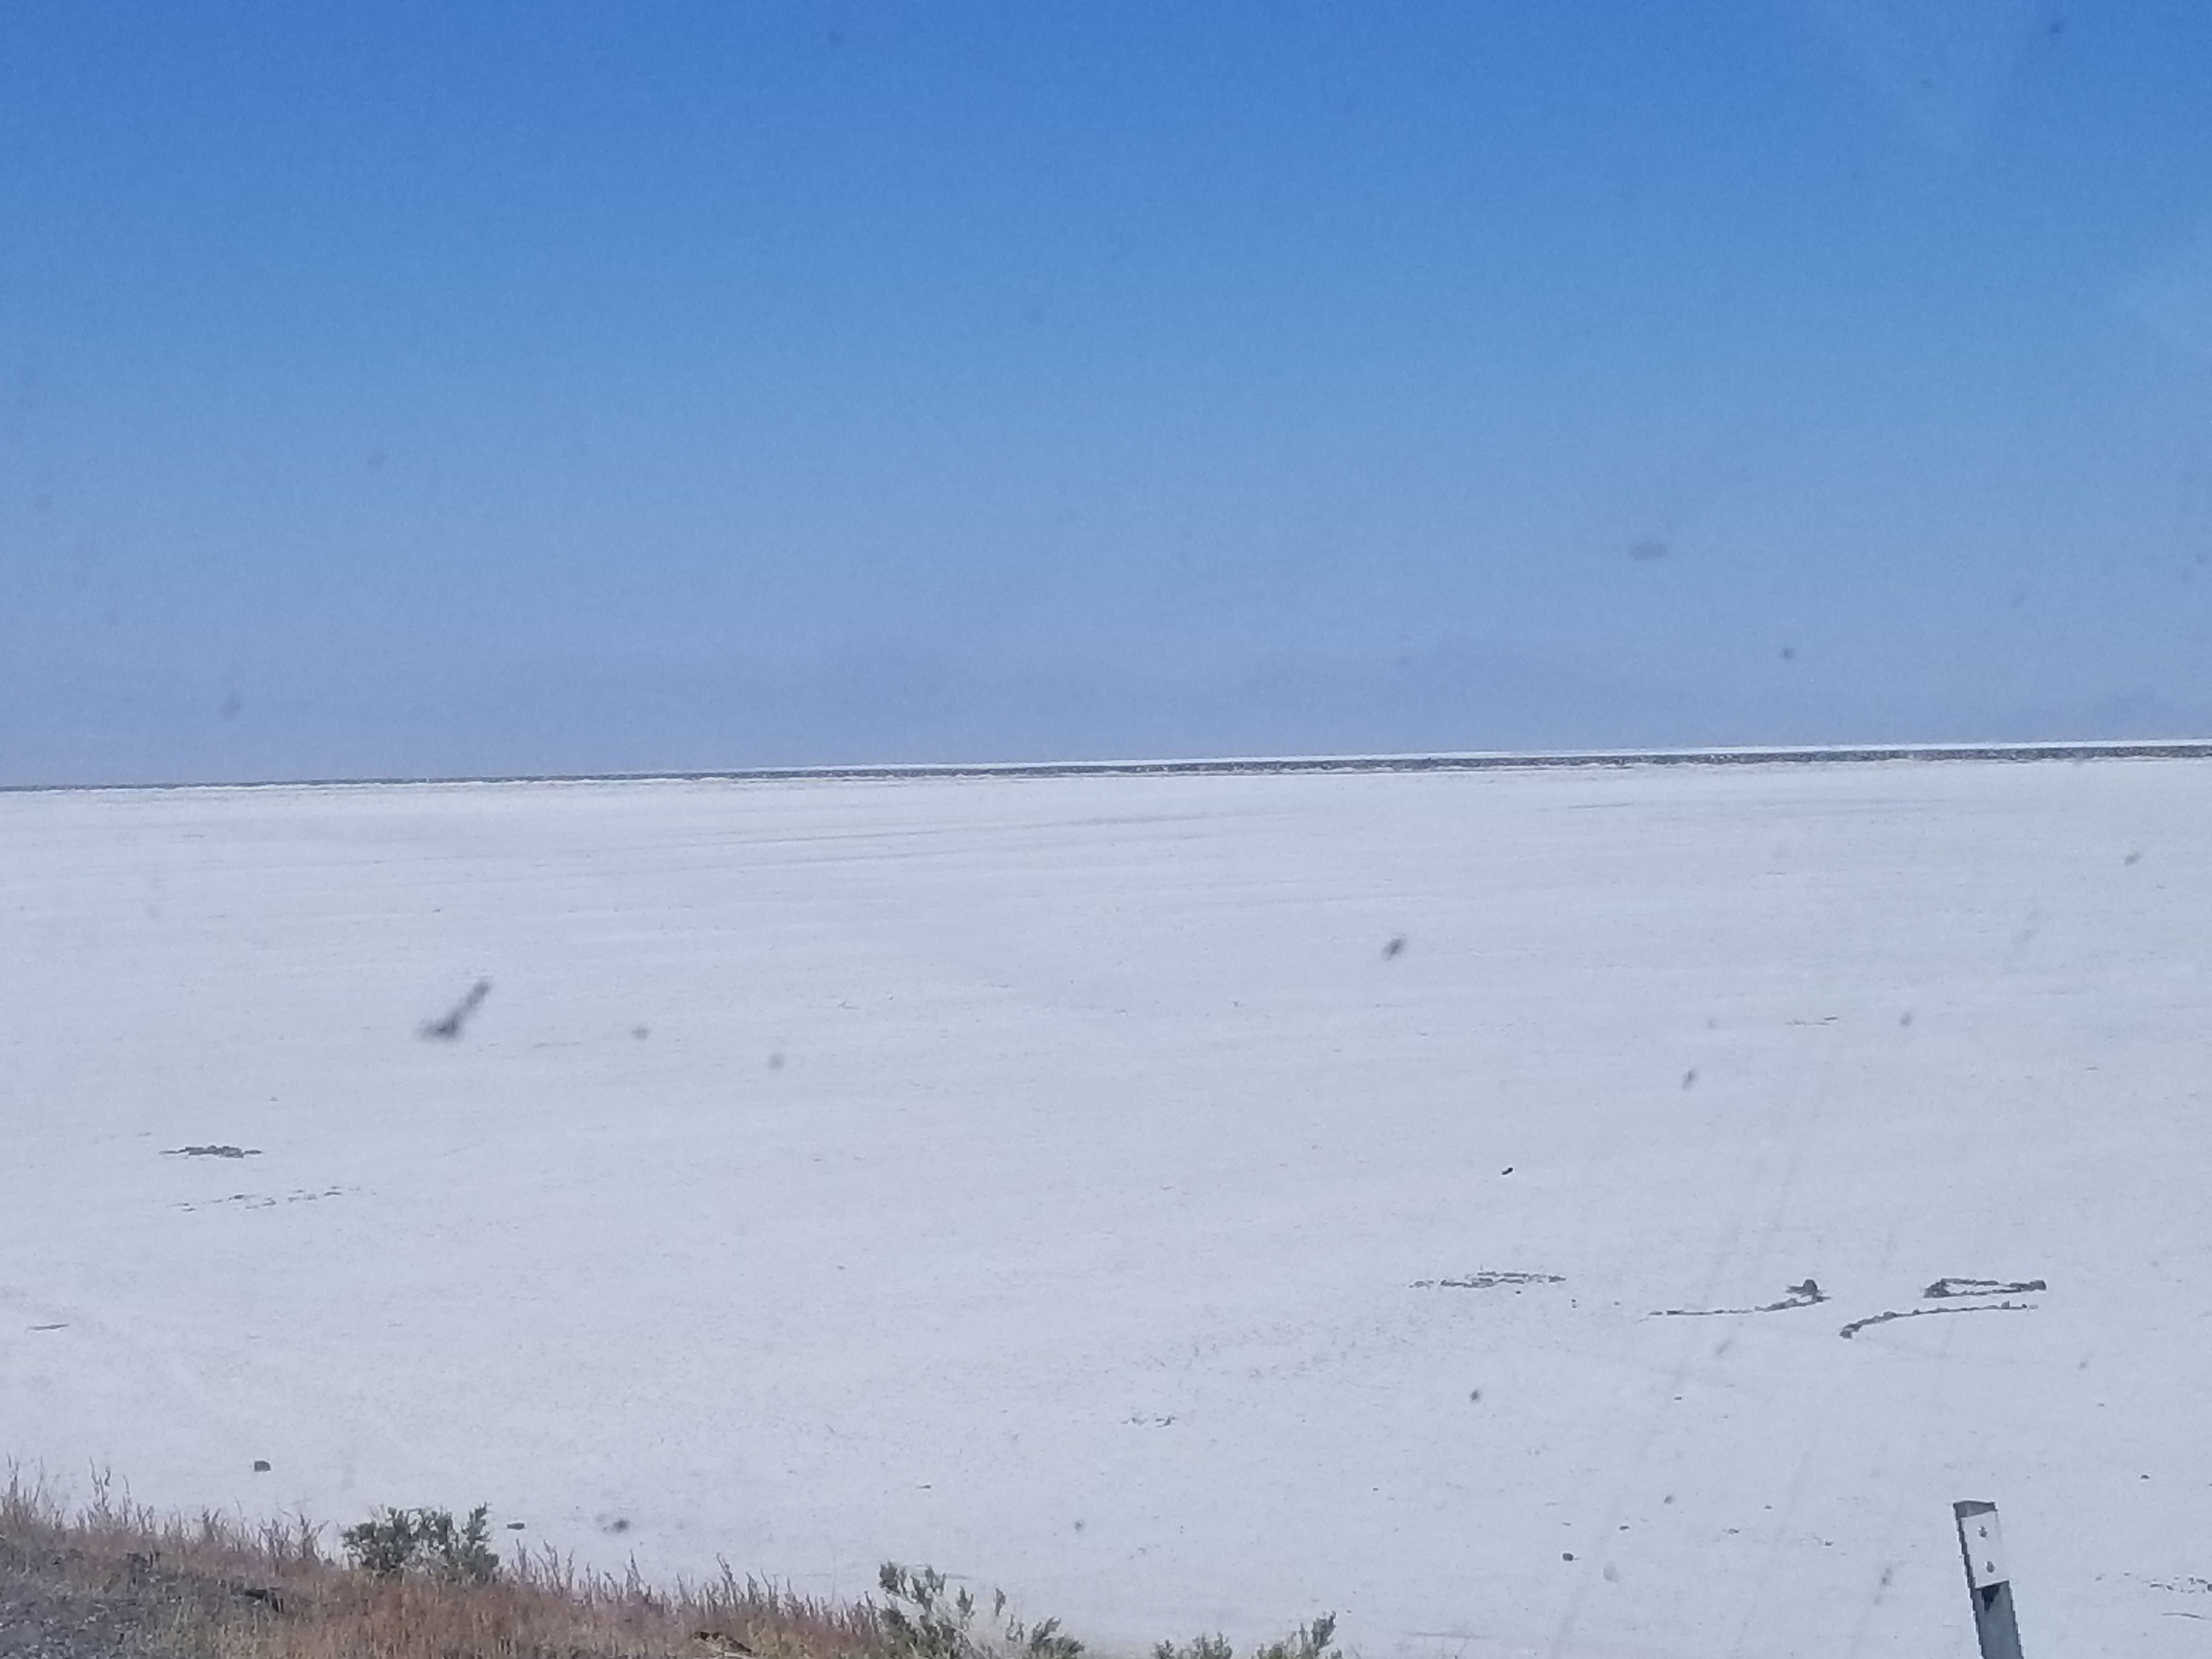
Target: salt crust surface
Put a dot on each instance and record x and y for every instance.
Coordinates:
(1038, 1178)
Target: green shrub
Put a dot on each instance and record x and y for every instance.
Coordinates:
(1204, 1647)
(426, 1542)
(924, 1622)
(1307, 1642)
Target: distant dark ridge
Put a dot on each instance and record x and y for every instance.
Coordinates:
(1498, 761)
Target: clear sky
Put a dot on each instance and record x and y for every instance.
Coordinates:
(453, 388)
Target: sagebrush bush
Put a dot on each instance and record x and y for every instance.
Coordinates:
(1307, 1642)
(921, 1621)
(426, 1542)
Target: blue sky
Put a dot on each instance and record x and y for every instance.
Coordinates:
(433, 389)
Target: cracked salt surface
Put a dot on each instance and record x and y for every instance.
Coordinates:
(1103, 1106)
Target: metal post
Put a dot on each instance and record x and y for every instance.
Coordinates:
(1989, 1580)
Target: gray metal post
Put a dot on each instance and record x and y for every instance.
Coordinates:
(1989, 1580)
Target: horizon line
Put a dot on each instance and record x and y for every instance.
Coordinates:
(1447, 761)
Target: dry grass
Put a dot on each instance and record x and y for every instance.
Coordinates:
(222, 1588)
